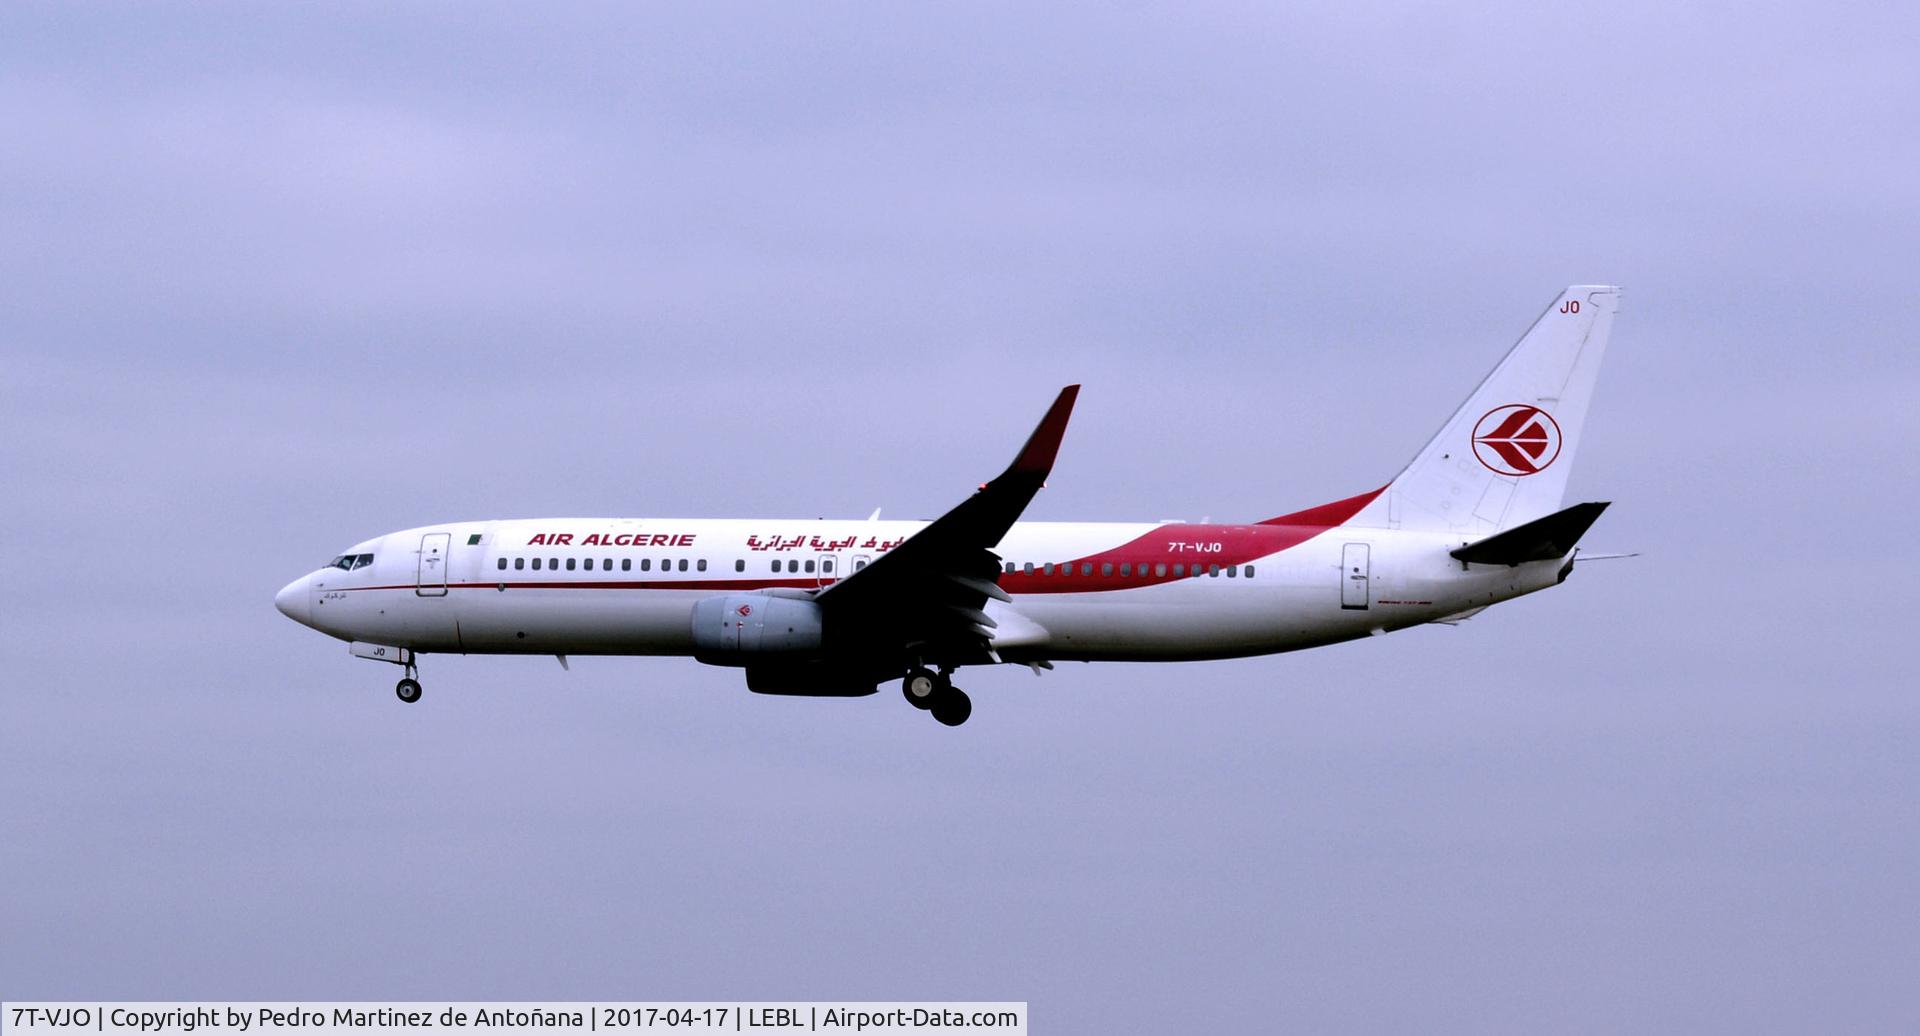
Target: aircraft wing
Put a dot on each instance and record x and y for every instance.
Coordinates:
(926, 598)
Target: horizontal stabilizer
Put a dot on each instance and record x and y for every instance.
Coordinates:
(1543, 539)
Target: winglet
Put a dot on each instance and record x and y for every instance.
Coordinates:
(1036, 457)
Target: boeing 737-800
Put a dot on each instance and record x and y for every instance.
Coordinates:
(835, 608)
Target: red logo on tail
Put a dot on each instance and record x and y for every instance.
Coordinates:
(1516, 440)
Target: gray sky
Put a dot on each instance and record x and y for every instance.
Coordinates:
(276, 281)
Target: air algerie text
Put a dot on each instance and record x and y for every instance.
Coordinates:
(608, 539)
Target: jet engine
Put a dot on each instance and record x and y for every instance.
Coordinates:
(754, 628)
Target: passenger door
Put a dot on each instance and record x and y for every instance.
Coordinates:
(1355, 577)
(432, 578)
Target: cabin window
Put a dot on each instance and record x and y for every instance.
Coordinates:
(776, 564)
(739, 564)
(1249, 571)
(1213, 570)
(793, 565)
(646, 564)
(683, 564)
(519, 563)
(626, 564)
(1232, 571)
(702, 565)
(569, 564)
(1106, 568)
(536, 564)
(1029, 568)
(606, 565)
(1160, 569)
(503, 564)
(1011, 567)
(826, 565)
(553, 563)
(1086, 568)
(1047, 569)
(1126, 568)
(809, 566)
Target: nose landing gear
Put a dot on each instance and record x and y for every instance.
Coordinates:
(408, 689)
(935, 693)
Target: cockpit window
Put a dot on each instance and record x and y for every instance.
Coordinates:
(349, 562)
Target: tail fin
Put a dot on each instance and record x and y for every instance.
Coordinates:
(1503, 458)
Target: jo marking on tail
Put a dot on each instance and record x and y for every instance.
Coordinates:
(835, 608)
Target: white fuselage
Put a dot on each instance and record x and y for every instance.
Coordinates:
(1080, 591)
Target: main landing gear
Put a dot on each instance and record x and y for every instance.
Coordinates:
(934, 692)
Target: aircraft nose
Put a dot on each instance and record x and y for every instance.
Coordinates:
(294, 602)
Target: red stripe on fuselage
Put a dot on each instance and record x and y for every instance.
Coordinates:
(1326, 516)
(1205, 546)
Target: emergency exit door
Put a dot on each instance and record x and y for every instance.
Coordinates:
(1354, 577)
(432, 580)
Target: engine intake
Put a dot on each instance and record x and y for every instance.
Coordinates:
(736, 629)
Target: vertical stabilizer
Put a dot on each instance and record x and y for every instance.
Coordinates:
(1503, 458)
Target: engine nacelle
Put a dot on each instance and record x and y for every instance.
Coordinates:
(754, 628)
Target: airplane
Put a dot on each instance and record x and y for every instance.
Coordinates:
(833, 608)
